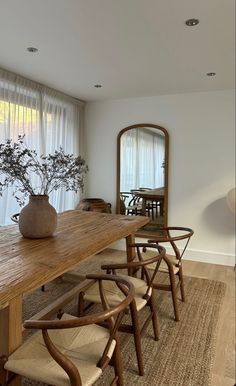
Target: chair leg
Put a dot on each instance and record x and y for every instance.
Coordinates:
(155, 321)
(80, 309)
(118, 368)
(181, 279)
(3, 372)
(174, 293)
(137, 337)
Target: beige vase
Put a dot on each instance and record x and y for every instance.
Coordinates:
(38, 219)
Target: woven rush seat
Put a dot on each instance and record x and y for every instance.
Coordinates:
(83, 346)
(115, 296)
(163, 266)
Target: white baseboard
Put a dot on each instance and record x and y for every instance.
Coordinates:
(193, 254)
(210, 257)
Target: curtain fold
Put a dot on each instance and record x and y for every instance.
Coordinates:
(49, 119)
(142, 157)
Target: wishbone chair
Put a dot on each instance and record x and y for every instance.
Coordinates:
(143, 293)
(74, 350)
(172, 264)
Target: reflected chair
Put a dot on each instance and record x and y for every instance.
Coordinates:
(74, 350)
(124, 196)
(122, 207)
(143, 293)
(129, 203)
(172, 264)
(134, 206)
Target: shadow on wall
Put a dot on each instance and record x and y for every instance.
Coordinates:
(219, 217)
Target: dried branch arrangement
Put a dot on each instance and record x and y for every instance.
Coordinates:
(30, 174)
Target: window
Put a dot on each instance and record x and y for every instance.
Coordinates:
(48, 118)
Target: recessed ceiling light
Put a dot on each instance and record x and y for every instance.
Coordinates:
(192, 22)
(98, 85)
(211, 73)
(32, 49)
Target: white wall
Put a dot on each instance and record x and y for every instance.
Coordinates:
(201, 164)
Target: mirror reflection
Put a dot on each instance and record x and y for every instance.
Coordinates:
(142, 175)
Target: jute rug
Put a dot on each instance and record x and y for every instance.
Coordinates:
(184, 353)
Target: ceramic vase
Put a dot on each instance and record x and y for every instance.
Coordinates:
(38, 219)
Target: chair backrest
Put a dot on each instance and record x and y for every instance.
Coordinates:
(154, 261)
(141, 263)
(124, 196)
(128, 201)
(122, 206)
(111, 314)
(172, 235)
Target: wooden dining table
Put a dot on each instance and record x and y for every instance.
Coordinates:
(27, 264)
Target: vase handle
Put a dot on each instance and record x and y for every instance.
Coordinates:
(15, 217)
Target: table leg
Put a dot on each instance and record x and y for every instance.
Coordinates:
(144, 203)
(11, 330)
(130, 251)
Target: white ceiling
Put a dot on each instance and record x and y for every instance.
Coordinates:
(132, 47)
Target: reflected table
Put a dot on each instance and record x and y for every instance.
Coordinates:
(154, 195)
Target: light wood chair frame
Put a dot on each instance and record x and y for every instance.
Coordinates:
(113, 316)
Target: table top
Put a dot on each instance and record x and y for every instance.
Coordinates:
(26, 264)
(152, 193)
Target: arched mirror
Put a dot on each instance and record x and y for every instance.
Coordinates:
(142, 175)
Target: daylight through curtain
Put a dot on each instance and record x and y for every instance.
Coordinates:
(142, 157)
(49, 119)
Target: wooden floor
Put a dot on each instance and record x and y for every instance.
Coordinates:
(223, 371)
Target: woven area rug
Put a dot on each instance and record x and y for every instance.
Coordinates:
(184, 353)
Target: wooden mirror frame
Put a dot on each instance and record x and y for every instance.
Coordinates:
(166, 174)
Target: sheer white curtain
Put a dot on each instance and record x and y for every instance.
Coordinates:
(142, 157)
(49, 119)
(128, 161)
